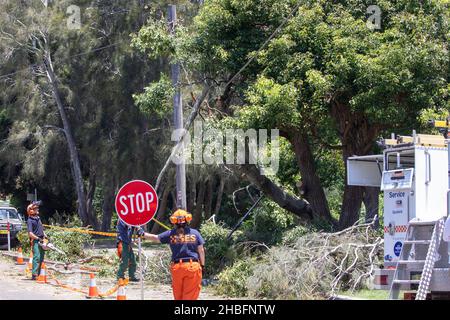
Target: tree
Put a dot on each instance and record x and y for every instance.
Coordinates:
(35, 40)
(95, 74)
(326, 79)
(154, 40)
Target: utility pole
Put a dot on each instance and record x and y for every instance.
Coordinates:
(178, 117)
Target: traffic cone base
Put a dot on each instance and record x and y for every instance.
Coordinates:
(20, 257)
(93, 291)
(121, 295)
(30, 262)
(43, 275)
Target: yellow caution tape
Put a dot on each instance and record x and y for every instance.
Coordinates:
(161, 224)
(106, 234)
(102, 295)
(113, 289)
(62, 285)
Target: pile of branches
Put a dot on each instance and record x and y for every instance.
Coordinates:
(318, 265)
(156, 267)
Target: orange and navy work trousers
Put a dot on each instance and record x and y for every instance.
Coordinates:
(186, 280)
(127, 260)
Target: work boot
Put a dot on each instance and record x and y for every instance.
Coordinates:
(33, 277)
(134, 279)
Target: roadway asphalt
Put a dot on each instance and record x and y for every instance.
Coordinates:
(14, 285)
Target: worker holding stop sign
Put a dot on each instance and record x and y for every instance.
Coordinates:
(136, 204)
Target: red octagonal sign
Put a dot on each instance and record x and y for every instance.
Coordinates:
(136, 203)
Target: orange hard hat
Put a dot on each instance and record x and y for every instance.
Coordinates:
(180, 216)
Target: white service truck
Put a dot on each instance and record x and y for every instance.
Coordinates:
(413, 173)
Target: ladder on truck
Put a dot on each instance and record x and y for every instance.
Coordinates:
(418, 256)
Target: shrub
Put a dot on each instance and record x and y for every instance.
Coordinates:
(24, 240)
(233, 279)
(71, 243)
(267, 224)
(218, 250)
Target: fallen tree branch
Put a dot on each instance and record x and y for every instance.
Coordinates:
(318, 265)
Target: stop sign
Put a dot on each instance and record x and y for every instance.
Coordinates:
(136, 203)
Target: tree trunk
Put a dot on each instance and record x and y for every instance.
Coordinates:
(351, 206)
(73, 152)
(197, 214)
(357, 135)
(371, 203)
(209, 198)
(107, 206)
(92, 217)
(314, 193)
(292, 204)
(161, 210)
(219, 196)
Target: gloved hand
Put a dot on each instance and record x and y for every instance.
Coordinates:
(140, 232)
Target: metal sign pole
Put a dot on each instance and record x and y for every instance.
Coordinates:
(140, 269)
(8, 228)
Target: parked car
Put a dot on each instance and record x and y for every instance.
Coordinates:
(15, 221)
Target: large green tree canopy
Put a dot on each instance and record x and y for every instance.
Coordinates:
(326, 79)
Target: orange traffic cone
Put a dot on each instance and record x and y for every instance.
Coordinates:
(43, 275)
(29, 267)
(121, 295)
(20, 257)
(93, 291)
(30, 262)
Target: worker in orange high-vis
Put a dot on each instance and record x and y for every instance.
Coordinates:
(188, 255)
